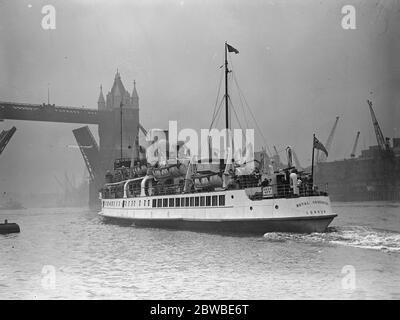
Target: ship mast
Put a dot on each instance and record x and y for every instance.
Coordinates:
(226, 91)
(228, 144)
(229, 138)
(228, 157)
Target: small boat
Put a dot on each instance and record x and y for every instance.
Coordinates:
(6, 228)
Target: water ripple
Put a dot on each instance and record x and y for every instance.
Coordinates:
(353, 236)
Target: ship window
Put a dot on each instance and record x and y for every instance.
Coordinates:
(140, 203)
(187, 202)
(177, 202)
(214, 200)
(208, 201)
(165, 202)
(222, 200)
(196, 201)
(202, 201)
(159, 203)
(171, 202)
(191, 201)
(154, 203)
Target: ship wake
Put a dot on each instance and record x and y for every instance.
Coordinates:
(353, 236)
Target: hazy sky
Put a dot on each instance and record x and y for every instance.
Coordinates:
(297, 67)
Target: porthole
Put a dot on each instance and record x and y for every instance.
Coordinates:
(276, 207)
(251, 208)
(232, 196)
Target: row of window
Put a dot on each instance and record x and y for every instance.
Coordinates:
(111, 203)
(130, 203)
(202, 201)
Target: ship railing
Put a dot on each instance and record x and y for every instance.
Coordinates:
(248, 181)
(306, 189)
(155, 191)
(303, 190)
(122, 171)
(286, 191)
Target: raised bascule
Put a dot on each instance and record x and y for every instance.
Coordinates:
(5, 137)
(117, 116)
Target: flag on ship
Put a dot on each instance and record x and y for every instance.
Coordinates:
(232, 49)
(318, 145)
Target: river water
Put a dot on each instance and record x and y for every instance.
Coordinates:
(72, 254)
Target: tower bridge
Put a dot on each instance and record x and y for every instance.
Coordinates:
(119, 109)
(46, 112)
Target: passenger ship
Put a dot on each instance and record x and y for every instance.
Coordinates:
(221, 198)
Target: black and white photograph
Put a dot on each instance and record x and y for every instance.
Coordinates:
(189, 150)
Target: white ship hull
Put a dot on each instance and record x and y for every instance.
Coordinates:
(226, 211)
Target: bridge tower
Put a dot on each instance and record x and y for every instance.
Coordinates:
(118, 102)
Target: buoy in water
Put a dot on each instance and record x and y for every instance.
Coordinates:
(9, 227)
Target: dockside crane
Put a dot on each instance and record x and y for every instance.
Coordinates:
(382, 142)
(321, 157)
(353, 151)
